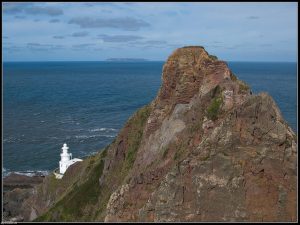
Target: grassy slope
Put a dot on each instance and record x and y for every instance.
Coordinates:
(86, 200)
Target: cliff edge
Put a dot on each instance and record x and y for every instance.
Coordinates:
(205, 149)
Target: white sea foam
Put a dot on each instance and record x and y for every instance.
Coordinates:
(11, 140)
(28, 173)
(93, 136)
(103, 129)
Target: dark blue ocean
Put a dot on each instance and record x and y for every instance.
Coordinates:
(86, 103)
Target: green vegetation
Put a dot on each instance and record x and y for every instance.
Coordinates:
(135, 133)
(196, 126)
(214, 107)
(213, 57)
(193, 46)
(52, 183)
(82, 196)
(233, 77)
(181, 149)
(87, 199)
(165, 151)
(287, 143)
(205, 158)
(216, 91)
(243, 86)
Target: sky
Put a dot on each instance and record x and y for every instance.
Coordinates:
(96, 31)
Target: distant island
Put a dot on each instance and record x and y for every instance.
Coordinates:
(126, 59)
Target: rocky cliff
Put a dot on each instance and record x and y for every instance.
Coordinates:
(205, 149)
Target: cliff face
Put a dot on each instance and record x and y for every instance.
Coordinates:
(205, 149)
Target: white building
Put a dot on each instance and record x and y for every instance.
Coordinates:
(65, 161)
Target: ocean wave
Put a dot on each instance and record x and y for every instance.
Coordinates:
(24, 140)
(102, 129)
(29, 173)
(11, 140)
(5, 172)
(85, 154)
(93, 136)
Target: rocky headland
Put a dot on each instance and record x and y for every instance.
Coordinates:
(205, 149)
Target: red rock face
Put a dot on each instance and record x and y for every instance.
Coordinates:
(231, 168)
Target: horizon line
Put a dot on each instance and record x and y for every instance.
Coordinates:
(147, 60)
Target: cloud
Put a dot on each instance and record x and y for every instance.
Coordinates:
(58, 37)
(80, 34)
(5, 37)
(54, 21)
(266, 45)
(149, 44)
(12, 49)
(43, 47)
(47, 10)
(253, 17)
(13, 8)
(82, 45)
(20, 17)
(30, 8)
(127, 23)
(155, 42)
(119, 38)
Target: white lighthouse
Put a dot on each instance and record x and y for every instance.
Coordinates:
(65, 161)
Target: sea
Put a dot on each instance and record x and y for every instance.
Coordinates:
(85, 104)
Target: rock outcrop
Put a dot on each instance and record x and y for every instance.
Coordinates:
(205, 149)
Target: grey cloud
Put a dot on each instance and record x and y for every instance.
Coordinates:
(266, 45)
(155, 42)
(11, 48)
(98, 49)
(43, 47)
(37, 44)
(57, 47)
(252, 17)
(149, 44)
(30, 8)
(80, 34)
(51, 11)
(20, 17)
(82, 45)
(171, 13)
(13, 8)
(119, 38)
(58, 37)
(54, 21)
(127, 23)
